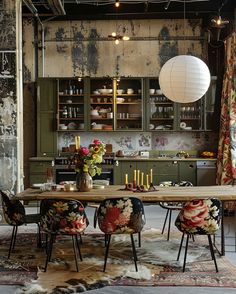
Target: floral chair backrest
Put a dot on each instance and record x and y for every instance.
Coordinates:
(184, 184)
(171, 184)
(200, 217)
(62, 216)
(121, 216)
(13, 210)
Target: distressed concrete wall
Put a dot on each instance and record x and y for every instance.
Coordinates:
(8, 103)
(82, 48)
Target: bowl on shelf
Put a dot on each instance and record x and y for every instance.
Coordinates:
(72, 126)
(105, 91)
(96, 92)
(119, 100)
(151, 91)
(96, 126)
(130, 91)
(120, 91)
(62, 127)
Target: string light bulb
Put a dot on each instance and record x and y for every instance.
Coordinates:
(125, 38)
(117, 3)
(117, 41)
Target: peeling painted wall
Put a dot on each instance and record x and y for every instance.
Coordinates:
(82, 48)
(8, 105)
(8, 161)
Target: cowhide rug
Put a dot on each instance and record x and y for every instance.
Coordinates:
(157, 265)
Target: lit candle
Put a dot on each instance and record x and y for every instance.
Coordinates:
(126, 179)
(138, 177)
(147, 176)
(135, 175)
(151, 176)
(142, 178)
(76, 144)
(78, 141)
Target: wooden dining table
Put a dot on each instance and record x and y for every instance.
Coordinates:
(158, 194)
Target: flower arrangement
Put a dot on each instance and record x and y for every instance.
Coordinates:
(87, 158)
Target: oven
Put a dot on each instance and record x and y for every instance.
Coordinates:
(63, 171)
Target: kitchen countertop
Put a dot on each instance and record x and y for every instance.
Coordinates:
(160, 158)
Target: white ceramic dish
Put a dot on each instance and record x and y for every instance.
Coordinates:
(72, 126)
(120, 100)
(105, 91)
(120, 91)
(98, 186)
(37, 185)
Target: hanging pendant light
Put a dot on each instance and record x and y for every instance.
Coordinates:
(184, 78)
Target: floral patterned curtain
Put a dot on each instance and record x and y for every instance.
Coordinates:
(226, 160)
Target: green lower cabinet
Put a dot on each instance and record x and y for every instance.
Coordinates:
(188, 171)
(38, 170)
(122, 168)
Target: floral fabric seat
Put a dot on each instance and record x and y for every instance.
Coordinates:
(121, 216)
(199, 217)
(15, 215)
(63, 217)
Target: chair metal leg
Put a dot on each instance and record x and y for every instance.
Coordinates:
(212, 252)
(139, 239)
(75, 252)
(164, 225)
(134, 252)
(108, 236)
(185, 254)
(49, 251)
(14, 237)
(168, 233)
(180, 246)
(12, 242)
(106, 239)
(39, 239)
(95, 218)
(78, 247)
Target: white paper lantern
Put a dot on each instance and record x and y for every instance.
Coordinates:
(184, 78)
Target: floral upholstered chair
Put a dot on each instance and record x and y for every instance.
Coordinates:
(121, 216)
(199, 217)
(62, 217)
(15, 215)
(170, 206)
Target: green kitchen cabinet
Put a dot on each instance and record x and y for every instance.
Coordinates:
(38, 169)
(188, 171)
(162, 170)
(46, 117)
(165, 171)
(121, 168)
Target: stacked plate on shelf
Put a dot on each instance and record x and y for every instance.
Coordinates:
(134, 115)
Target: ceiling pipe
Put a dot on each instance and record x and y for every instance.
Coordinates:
(34, 11)
(56, 7)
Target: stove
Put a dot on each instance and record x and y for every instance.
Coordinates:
(64, 170)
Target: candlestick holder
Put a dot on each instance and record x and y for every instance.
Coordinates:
(152, 187)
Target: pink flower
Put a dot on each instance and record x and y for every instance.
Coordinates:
(84, 151)
(96, 142)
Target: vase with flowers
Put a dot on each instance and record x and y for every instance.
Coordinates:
(86, 161)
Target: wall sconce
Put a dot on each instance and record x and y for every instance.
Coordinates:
(117, 3)
(117, 38)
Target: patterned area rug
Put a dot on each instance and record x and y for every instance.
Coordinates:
(157, 264)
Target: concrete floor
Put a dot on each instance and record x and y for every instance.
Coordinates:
(154, 219)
